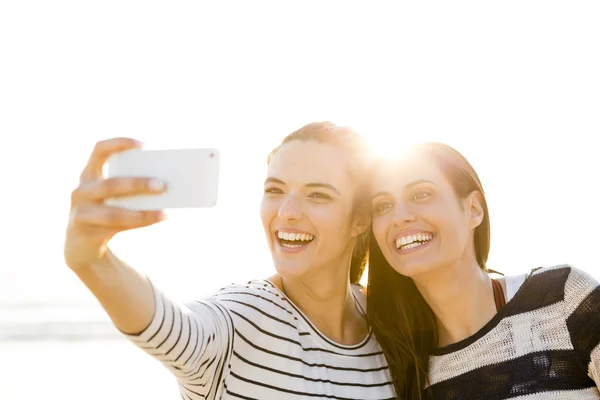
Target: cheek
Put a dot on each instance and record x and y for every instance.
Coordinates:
(454, 227)
(268, 210)
(331, 222)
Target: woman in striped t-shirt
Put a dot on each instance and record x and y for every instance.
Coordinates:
(445, 325)
(301, 333)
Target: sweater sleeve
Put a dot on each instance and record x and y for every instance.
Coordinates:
(582, 303)
(193, 341)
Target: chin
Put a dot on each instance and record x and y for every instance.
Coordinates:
(290, 269)
(410, 271)
(410, 268)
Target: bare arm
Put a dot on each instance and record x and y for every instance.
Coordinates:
(193, 341)
(124, 293)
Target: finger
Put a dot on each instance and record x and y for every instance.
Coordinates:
(116, 218)
(102, 151)
(100, 190)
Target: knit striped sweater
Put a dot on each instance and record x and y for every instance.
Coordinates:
(543, 344)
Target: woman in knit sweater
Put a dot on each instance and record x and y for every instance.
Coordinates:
(450, 331)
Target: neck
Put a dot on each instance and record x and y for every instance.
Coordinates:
(461, 296)
(327, 301)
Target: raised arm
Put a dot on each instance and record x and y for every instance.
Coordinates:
(123, 292)
(193, 341)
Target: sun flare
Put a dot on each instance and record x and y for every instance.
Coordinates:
(390, 145)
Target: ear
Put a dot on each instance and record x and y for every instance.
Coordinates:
(360, 224)
(475, 207)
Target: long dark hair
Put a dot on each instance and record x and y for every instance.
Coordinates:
(359, 163)
(402, 321)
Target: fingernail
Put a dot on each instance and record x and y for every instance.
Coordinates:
(137, 143)
(161, 216)
(156, 186)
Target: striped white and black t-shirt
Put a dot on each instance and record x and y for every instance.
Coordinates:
(543, 344)
(250, 342)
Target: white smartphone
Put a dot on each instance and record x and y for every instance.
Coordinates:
(191, 176)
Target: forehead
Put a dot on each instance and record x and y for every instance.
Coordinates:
(301, 162)
(395, 175)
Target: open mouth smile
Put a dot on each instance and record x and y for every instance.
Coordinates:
(412, 241)
(294, 240)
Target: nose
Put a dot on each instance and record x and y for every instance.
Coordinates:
(290, 210)
(403, 215)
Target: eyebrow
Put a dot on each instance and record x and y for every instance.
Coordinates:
(309, 185)
(378, 194)
(408, 186)
(418, 182)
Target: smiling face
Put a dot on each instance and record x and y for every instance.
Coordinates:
(307, 209)
(419, 222)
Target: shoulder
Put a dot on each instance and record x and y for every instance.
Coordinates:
(581, 289)
(549, 278)
(580, 279)
(566, 274)
(255, 297)
(539, 288)
(572, 284)
(544, 280)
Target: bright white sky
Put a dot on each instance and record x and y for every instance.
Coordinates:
(514, 85)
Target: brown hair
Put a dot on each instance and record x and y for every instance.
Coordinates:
(359, 169)
(403, 322)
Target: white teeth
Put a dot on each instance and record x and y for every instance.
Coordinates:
(305, 237)
(292, 246)
(410, 241)
(410, 246)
